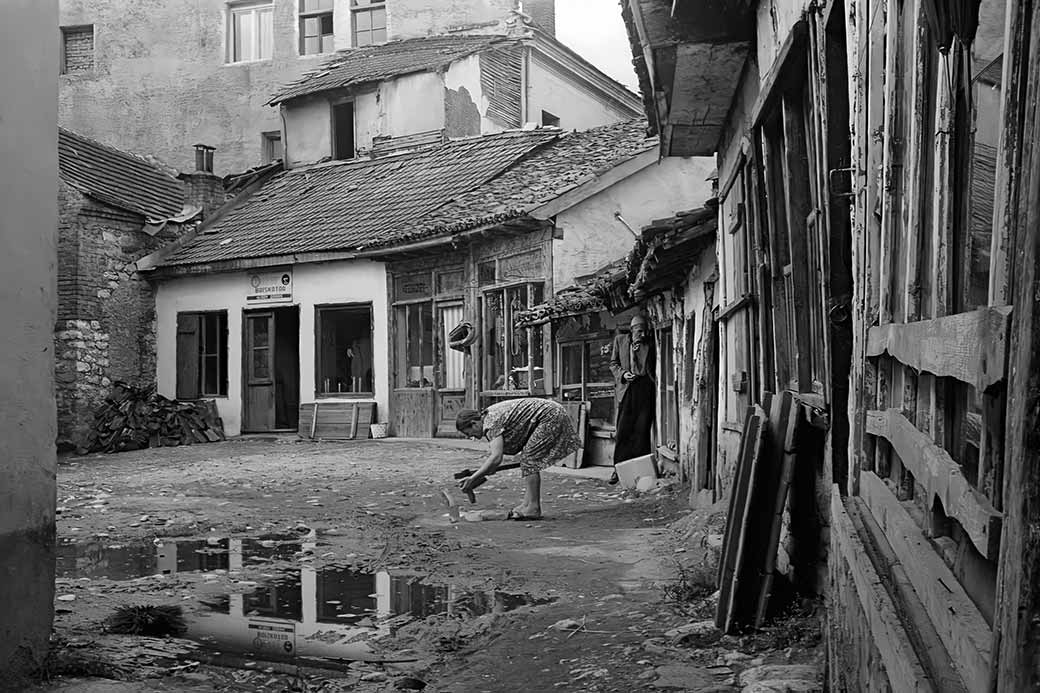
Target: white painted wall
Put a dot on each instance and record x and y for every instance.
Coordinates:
(466, 74)
(577, 107)
(313, 284)
(593, 237)
(413, 103)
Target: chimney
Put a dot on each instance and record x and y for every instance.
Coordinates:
(204, 158)
(202, 187)
(542, 14)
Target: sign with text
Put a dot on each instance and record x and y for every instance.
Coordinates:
(274, 286)
(273, 635)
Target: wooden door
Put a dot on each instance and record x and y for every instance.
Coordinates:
(451, 371)
(258, 401)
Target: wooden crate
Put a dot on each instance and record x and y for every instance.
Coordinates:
(336, 420)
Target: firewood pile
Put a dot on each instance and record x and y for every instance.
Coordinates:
(133, 418)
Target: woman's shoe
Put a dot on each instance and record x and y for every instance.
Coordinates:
(613, 479)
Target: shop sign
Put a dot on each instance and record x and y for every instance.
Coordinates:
(270, 287)
(273, 636)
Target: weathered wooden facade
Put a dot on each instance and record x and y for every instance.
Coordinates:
(878, 256)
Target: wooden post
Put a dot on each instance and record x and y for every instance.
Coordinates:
(1016, 627)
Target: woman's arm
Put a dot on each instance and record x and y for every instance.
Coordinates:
(490, 465)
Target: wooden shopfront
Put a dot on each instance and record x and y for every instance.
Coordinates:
(485, 283)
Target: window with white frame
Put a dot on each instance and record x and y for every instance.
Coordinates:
(316, 33)
(368, 22)
(251, 31)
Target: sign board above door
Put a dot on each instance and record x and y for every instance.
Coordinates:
(270, 286)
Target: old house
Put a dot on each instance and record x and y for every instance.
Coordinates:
(668, 275)
(190, 71)
(113, 208)
(877, 258)
(338, 283)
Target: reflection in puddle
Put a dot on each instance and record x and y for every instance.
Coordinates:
(332, 612)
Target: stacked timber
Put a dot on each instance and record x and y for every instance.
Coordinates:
(132, 418)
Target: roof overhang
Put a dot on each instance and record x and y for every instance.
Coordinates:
(688, 55)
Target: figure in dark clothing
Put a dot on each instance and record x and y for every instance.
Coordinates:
(632, 361)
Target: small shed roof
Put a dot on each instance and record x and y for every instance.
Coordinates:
(118, 178)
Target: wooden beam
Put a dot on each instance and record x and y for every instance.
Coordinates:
(941, 477)
(902, 666)
(1017, 619)
(971, 347)
(733, 306)
(788, 61)
(798, 208)
(959, 623)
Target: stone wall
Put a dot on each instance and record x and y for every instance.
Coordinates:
(105, 327)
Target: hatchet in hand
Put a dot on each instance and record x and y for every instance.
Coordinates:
(466, 473)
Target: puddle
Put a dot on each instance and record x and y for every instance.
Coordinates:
(332, 613)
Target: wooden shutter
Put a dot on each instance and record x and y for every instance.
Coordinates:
(188, 355)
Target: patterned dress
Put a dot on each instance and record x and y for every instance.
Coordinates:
(537, 431)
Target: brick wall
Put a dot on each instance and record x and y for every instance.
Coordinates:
(105, 327)
(78, 49)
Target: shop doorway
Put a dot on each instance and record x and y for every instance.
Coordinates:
(271, 370)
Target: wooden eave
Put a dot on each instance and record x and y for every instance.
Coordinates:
(690, 59)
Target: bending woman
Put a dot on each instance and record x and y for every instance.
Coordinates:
(537, 431)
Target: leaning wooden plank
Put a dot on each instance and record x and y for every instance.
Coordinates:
(727, 618)
(958, 621)
(941, 477)
(785, 425)
(971, 347)
(736, 500)
(354, 421)
(904, 669)
(314, 420)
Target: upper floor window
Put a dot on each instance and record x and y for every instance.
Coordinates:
(77, 49)
(252, 31)
(272, 146)
(368, 18)
(343, 131)
(316, 33)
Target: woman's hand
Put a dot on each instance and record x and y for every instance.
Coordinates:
(471, 482)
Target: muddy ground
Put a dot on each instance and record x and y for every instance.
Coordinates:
(270, 548)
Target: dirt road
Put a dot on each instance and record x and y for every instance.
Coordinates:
(293, 561)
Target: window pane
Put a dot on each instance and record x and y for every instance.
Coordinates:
(570, 368)
(419, 336)
(517, 357)
(311, 26)
(345, 344)
(495, 342)
(210, 340)
(243, 30)
(311, 45)
(379, 36)
(599, 361)
(362, 21)
(326, 24)
(211, 375)
(261, 369)
(266, 21)
(261, 337)
(378, 18)
(328, 43)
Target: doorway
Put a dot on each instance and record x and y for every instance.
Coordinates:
(271, 369)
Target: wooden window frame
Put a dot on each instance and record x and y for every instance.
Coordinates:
(66, 31)
(319, 14)
(319, 310)
(268, 140)
(202, 352)
(357, 10)
(403, 310)
(334, 130)
(256, 10)
(585, 343)
(667, 394)
(503, 290)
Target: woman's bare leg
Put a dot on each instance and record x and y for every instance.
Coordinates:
(532, 506)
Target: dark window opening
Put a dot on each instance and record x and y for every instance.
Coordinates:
(369, 22)
(316, 28)
(272, 146)
(514, 355)
(202, 355)
(77, 49)
(344, 350)
(669, 433)
(415, 367)
(343, 131)
(549, 120)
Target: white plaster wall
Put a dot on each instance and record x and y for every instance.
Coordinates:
(308, 131)
(466, 74)
(410, 18)
(313, 285)
(413, 104)
(593, 237)
(774, 19)
(369, 119)
(576, 106)
(693, 310)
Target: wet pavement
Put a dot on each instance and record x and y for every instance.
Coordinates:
(303, 566)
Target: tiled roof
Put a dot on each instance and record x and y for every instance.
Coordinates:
(542, 176)
(118, 178)
(356, 66)
(353, 205)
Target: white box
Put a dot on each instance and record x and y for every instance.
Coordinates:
(629, 471)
